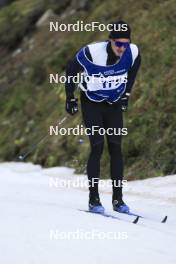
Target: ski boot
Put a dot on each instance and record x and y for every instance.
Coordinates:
(95, 206)
(120, 207)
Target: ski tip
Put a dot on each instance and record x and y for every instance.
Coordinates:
(164, 219)
(136, 220)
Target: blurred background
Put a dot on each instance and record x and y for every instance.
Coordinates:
(29, 104)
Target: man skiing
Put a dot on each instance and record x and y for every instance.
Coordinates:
(102, 104)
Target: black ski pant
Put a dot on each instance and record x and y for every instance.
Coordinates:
(103, 115)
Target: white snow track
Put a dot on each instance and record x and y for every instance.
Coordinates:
(33, 213)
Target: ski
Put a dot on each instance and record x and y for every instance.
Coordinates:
(163, 220)
(111, 216)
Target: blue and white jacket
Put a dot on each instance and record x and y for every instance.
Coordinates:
(103, 82)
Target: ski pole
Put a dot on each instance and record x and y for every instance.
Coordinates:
(34, 146)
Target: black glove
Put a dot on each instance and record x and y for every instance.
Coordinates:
(71, 105)
(124, 102)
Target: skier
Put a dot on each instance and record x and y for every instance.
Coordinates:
(102, 103)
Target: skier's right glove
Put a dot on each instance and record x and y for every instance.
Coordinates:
(124, 102)
(71, 105)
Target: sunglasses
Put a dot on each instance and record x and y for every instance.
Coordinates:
(121, 44)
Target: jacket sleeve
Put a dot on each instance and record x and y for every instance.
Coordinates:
(72, 69)
(132, 73)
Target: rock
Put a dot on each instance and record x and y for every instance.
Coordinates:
(16, 52)
(45, 18)
(84, 5)
(81, 4)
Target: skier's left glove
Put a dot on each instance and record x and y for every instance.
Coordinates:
(124, 102)
(71, 105)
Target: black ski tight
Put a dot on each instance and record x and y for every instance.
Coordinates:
(103, 115)
(116, 168)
